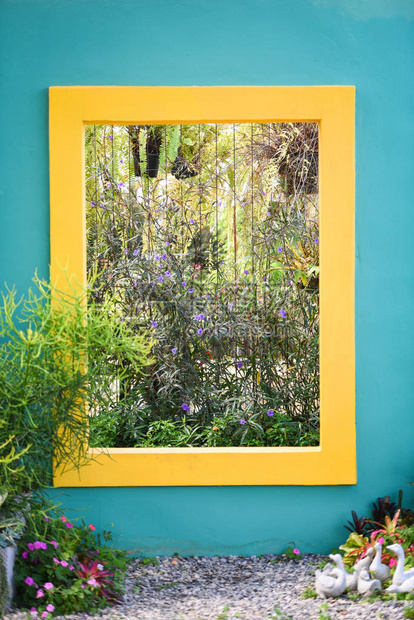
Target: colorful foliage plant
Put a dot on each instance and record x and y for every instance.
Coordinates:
(390, 532)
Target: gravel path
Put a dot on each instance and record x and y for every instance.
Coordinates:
(226, 588)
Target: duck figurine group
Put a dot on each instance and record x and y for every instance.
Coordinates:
(367, 576)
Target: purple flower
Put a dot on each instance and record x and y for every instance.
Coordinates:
(135, 252)
(168, 273)
(184, 283)
(242, 421)
(270, 412)
(191, 220)
(92, 205)
(25, 555)
(230, 306)
(110, 137)
(246, 271)
(185, 407)
(126, 251)
(167, 243)
(120, 184)
(154, 324)
(135, 283)
(174, 350)
(288, 282)
(239, 364)
(157, 257)
(264, 278)
(208, 296)
(268, 214)
(200, 332)
(283, 313)
(160, 278)
(316, 240)
(121, 161)
(191, 290)
(163, 256)
(29, 581)
(222, 262)
(279, 250)
(199, 317)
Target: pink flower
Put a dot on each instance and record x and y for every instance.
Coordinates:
(393, 562)
(83, 586)
(296, 551)
(92, 527)
(42, 545)
(54, 543)
(69, 525)
(93, 582)
(48, 585)
(30, 546)
(50, 607)
(39, 593)
(64, 519)
(380, 541)
(64, 563)
(37, 544)
(29, 581)
(44, 614)
(71, 567)
(47, 519)
(33, 612)
(25, 555)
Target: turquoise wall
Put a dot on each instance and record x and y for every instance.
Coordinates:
(366, 43)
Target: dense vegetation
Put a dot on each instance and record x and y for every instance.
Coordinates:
(207, 235)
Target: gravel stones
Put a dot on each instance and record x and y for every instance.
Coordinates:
(226, 588)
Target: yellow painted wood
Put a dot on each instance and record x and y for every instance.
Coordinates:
(333, 107)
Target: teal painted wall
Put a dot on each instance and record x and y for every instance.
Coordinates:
(367, 43)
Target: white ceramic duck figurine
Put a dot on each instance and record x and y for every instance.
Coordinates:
(366, 586)
(400, 574)
(377, 569)
(406, 586)
(352, 581)
(365, 563)
(351, 578)
(333, 583)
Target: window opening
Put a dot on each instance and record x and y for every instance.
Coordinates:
(208, 236)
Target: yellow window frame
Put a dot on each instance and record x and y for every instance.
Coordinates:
(333, 107)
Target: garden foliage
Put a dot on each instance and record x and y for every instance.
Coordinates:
(217, 255)
(65, 567)
(46, 383)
